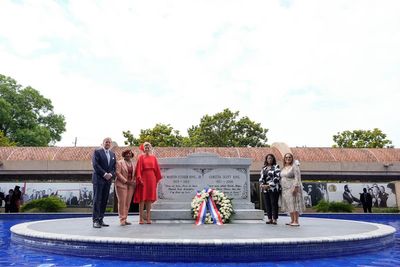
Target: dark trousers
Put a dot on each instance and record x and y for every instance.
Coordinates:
(101, 190)
(367, 209)
(271, 204)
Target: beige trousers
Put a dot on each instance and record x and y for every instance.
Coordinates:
(124, 195)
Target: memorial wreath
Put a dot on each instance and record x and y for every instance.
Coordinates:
(211, 206)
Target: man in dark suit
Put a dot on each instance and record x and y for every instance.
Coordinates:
(103, 162)
(366, 200)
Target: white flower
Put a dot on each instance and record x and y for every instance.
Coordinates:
(223, 202)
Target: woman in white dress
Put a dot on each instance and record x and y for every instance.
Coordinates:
(292, 193)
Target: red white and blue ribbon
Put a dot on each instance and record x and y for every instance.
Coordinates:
(202, 212)
(208, 205)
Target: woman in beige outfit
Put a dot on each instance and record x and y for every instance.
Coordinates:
(125, 185)
(292, 188)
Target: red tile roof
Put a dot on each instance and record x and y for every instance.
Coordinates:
(316, 154)
(347, 154)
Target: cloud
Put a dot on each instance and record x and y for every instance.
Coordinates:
(304, 69)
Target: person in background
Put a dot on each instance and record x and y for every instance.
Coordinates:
(292, 193)
(17, 198)
(148, 175)
(103, 162)
(8, 207)
(271, 188)
(366, 201)
(125, 185)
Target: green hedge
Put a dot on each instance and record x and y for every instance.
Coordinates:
(47, 204)
(385, 210)
(324, 206)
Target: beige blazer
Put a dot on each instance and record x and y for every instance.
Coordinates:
(122, 174)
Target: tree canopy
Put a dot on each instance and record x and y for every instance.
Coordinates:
(362, 139)
(4, 141)
(27, 117)
(223, 129)
(161, 135)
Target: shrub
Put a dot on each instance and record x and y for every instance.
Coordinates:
(340, 207)
(47, 204)
(324, 206)
(385, 210)
(109, 209)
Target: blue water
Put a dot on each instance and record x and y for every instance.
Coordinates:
(16, 255)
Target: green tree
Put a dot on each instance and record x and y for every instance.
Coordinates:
(224, 129)
(362, 139)
(4, 141)
(27, 117)
(130, 139)
(162, 135)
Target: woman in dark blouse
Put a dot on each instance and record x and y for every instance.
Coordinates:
(271, 188)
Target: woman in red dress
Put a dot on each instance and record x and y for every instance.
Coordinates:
(147, 174)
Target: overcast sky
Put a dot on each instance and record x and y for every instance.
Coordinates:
(303, 69)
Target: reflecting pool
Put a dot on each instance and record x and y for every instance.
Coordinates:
(16, 255)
